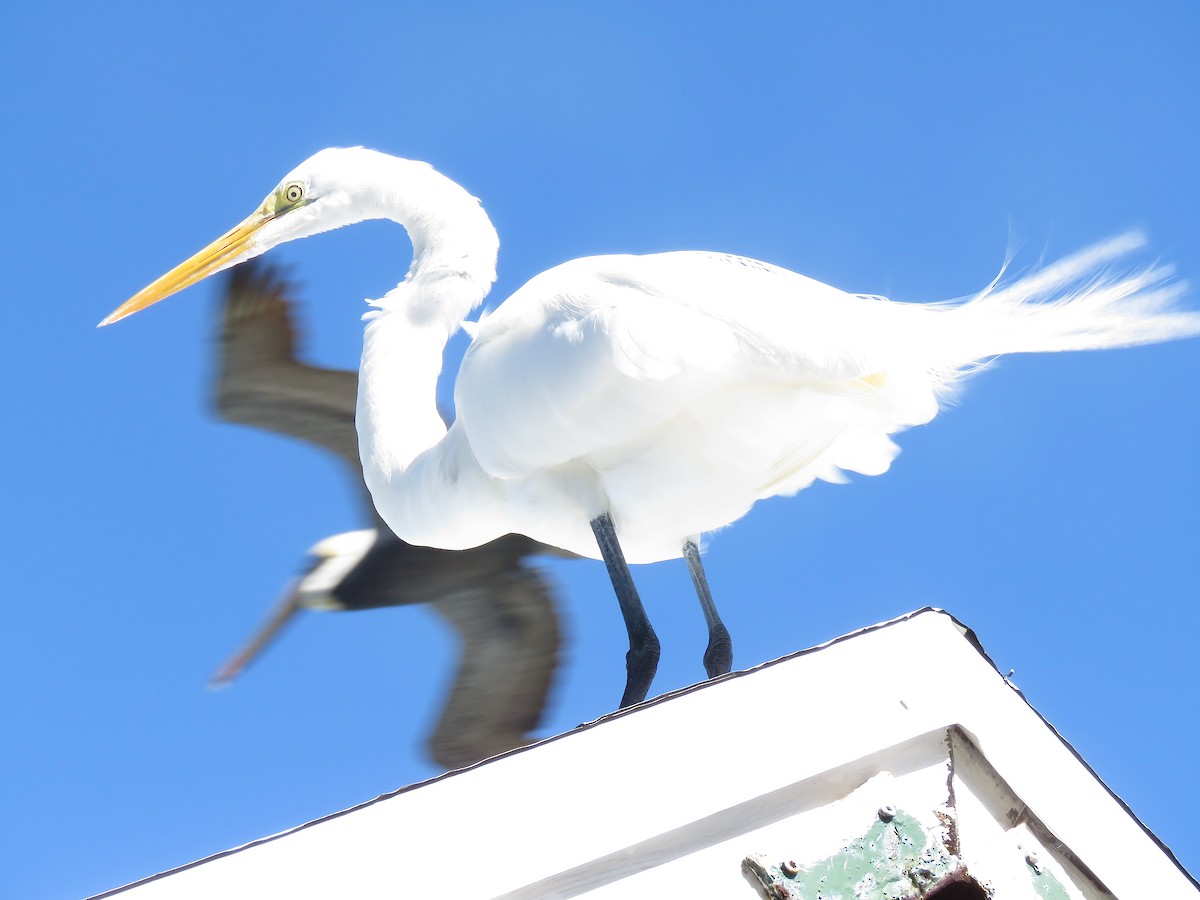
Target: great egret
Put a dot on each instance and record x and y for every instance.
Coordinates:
(502, 609)
(622, 406)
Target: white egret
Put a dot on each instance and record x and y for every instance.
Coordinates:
(502, 609)
(621, 406)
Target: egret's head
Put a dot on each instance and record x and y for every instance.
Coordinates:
(318, 195)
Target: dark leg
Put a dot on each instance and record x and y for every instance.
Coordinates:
(718, 656)
(641, 662)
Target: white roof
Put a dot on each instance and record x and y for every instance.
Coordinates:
(790, 761)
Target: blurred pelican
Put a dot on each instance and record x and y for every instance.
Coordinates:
(501, 608)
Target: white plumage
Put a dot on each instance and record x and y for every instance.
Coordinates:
(667, 392)
(675, 390)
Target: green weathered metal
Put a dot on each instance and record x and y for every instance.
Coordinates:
(1047, 886)
(897, 859)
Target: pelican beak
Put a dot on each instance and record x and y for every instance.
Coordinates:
(220, 254)
(280, 616)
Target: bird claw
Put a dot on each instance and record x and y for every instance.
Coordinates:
(640, 666)
(718, 656)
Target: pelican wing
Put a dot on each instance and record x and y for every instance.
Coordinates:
(508, 627)
(502, 609)
(510, 642)
(261, 383)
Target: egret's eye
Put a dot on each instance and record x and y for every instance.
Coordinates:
(293, 193)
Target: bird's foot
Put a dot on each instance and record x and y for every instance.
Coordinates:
(718, 657)
(640, 665)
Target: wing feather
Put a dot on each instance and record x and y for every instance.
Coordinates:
(636, 341)
(261, 383)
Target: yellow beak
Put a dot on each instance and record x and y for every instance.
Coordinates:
(213, 257)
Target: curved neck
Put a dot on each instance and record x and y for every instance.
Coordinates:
(397, 415)
(453, 267)
(453, 240)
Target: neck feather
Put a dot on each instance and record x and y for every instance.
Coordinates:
(453, 267)
(453, 240)
(397, 415)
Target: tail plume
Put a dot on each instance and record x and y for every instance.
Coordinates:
(1078, 303)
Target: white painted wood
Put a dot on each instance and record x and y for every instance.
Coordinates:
(786, 759)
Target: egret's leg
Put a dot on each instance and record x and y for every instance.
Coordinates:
(641, 662)
(718, 656)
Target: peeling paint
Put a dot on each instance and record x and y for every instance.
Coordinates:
(1047, 886)
(896, 859)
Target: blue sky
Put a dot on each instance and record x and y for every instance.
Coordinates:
(886, 148)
